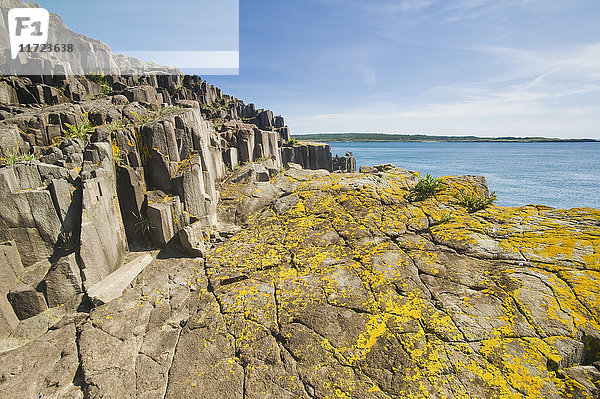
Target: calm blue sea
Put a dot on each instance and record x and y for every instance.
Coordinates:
(560, 175)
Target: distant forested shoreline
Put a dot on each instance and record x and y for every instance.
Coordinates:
(364, 137)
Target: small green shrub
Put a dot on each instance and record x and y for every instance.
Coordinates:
(474, 200)
(79, 131)
(142, 224)
(293, 141)
(428, 187)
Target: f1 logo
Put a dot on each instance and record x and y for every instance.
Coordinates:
(28, 26)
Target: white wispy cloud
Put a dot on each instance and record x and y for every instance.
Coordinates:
(535, 88)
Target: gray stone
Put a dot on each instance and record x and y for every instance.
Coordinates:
(262, 174)
(367, 169)
(113, 285)
(230, 157)
(100, 134)
(10, 269)
(195, 186)
(63, 281)
(192, 240)
(161, 222)
(67, 199)
(145, 94)
(8, 95)
(44, 368)
(279, 122)
(131, 188)
(10, 266)
(10, 140)
(26, 302)
(28, 213)
(103, 240)
(120, 99)
(265, 120)
(345, 164)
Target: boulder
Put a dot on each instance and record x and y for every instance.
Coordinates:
(262, 173)
(10, 140)
(251, 173)
(143, 94)
(119, 99)
(192, 240)
(63, 281)
(367, 169)
(26, 302)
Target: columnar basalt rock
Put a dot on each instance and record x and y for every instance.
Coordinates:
(96, 166)
(103, 243)
(27, 213)
(346, 164)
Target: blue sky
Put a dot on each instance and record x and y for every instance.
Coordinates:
(476, 67)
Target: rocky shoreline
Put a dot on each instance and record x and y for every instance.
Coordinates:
(161, 239)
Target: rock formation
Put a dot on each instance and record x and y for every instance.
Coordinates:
(160, 239)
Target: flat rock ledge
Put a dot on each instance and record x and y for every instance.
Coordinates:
(113, 285)
(342, 286)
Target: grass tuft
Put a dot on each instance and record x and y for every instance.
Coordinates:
(79, 131)
(428, 187)
(474, 200)
(16, 157)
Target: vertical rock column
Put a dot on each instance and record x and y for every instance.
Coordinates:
(103, 241)
(10, 268)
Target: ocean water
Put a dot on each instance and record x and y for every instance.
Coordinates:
(560, 175)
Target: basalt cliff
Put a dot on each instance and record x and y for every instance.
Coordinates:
(160, 239)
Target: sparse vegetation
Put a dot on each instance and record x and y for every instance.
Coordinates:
(446, 218)
(79, 131)
(428, 187)
(69, 243)
(114, 126)
(293, 141)
(106, 89)
(142, 224)
(167, 110)
(16, 157)
(96, 77)
(143, 119)
(474, 200)
(117, 155)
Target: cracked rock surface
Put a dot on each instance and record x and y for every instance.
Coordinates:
(340, 286)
